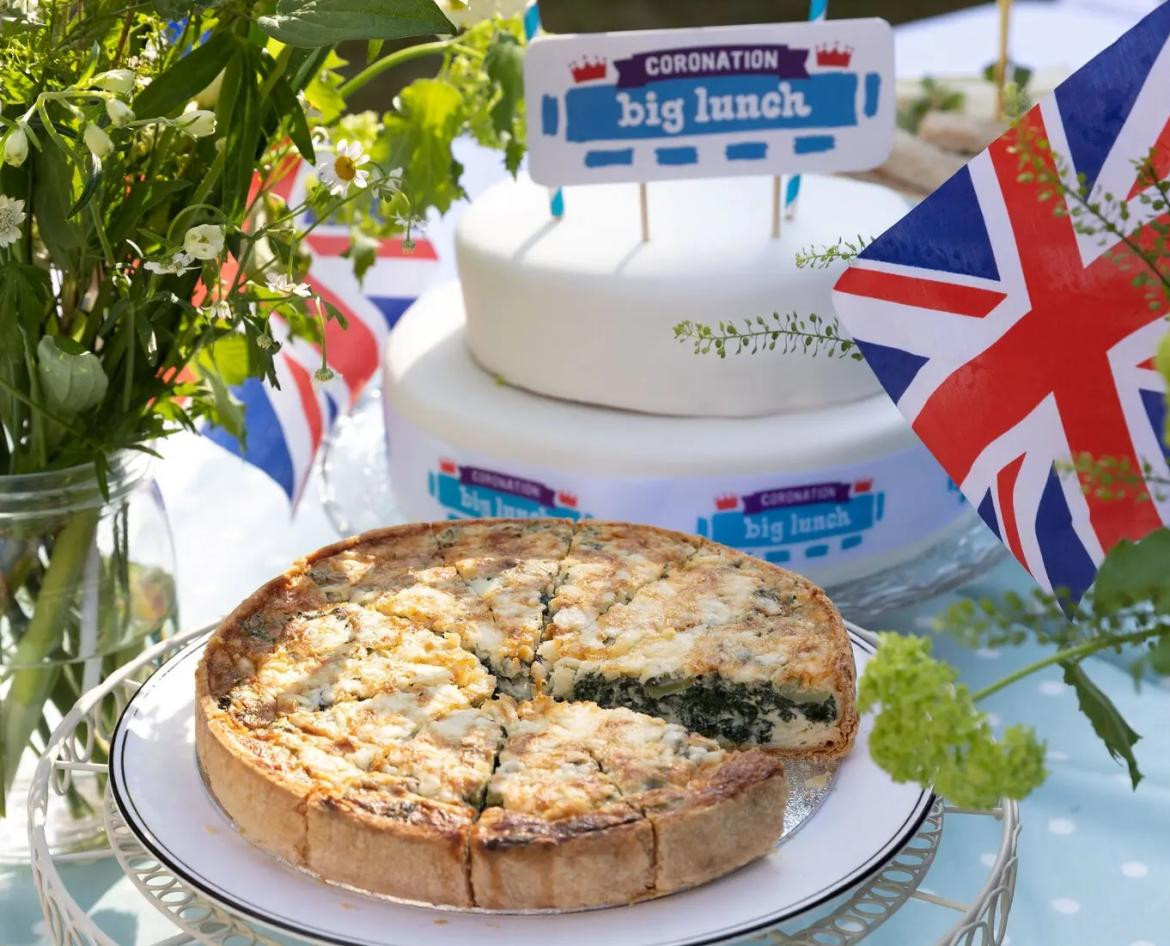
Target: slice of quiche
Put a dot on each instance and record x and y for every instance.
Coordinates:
(728, 646)
(415, 583)
(712, 810)
(607, 562)
(556, 831)
(378, 835)
(510, 567)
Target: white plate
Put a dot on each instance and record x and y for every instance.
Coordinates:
(862, 821)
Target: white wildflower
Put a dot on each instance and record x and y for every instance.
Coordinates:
(97, 141)
(340, 168)
(20, 10)
(16, 147)
(198, 122)
(179, 263)
(119, 81)
(120, 113)
(204, 242)
(218, 310)
(12, 217)
(279, 282)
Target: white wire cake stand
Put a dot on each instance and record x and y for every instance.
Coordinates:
(76, 751)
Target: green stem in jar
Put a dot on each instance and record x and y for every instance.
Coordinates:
(31, 679)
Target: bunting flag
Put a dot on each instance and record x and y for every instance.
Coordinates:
(1016, 344)
(286, 426)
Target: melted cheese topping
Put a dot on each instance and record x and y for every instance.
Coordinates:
(718, 612)
(378, 667)
(545, 770)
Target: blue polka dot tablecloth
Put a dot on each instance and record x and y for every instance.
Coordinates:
(1094, 854)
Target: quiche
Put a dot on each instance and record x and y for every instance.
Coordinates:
(521, 714)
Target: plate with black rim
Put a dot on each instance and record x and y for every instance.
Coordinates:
(852, 819)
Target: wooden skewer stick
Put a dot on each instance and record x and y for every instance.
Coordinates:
(776, 189)
(1005, 15)
(645, 212)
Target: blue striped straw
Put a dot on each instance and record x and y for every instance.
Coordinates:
(556, 196)
(817, 10)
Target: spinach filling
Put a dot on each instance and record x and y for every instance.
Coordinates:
(708, 704)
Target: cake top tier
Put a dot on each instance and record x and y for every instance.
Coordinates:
(582, 308)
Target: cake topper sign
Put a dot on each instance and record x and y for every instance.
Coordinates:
(761, 99)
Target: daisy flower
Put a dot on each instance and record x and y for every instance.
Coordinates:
(279, 282)
(340, 168)
(12, 216)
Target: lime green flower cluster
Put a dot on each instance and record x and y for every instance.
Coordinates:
(928, 729)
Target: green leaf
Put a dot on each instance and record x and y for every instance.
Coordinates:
(52, 193)
(298, 126)
(225, 410)
(186, 78)
(326, 22)
(362, 252)
(1107, 721)
(27, 292)
(1135, 572)
(429, 116)
(89, 188)
(228, 359)
(243, 137)
(322, 94)
(504, 65)
(72, 378)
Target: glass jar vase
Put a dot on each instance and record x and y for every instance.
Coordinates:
(86, 583)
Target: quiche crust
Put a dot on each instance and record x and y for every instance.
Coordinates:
(404, 847)
(521, 860)
(266, 805)
(613, 805)
(732, 817)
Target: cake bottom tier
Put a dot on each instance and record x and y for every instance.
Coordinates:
(834, 493)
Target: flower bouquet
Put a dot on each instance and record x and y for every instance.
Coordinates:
(147, 266)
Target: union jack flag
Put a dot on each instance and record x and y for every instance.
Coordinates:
(287, 426)
(1013, 343)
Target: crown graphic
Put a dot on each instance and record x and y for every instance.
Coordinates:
(726, 501)
(588, 68)
(448, 466)
(862, 486)
(834, 54)
(567, 499)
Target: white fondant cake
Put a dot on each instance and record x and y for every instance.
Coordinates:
(834, 493)
(582, 309)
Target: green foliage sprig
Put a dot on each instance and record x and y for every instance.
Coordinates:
(843, 251)
(809, 335)
(934, 96)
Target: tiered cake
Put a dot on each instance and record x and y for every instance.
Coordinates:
(548, 381)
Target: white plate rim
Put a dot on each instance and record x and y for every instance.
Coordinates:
(263, 915)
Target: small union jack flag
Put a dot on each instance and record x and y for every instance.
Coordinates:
(1013, 343)
(286, 426)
